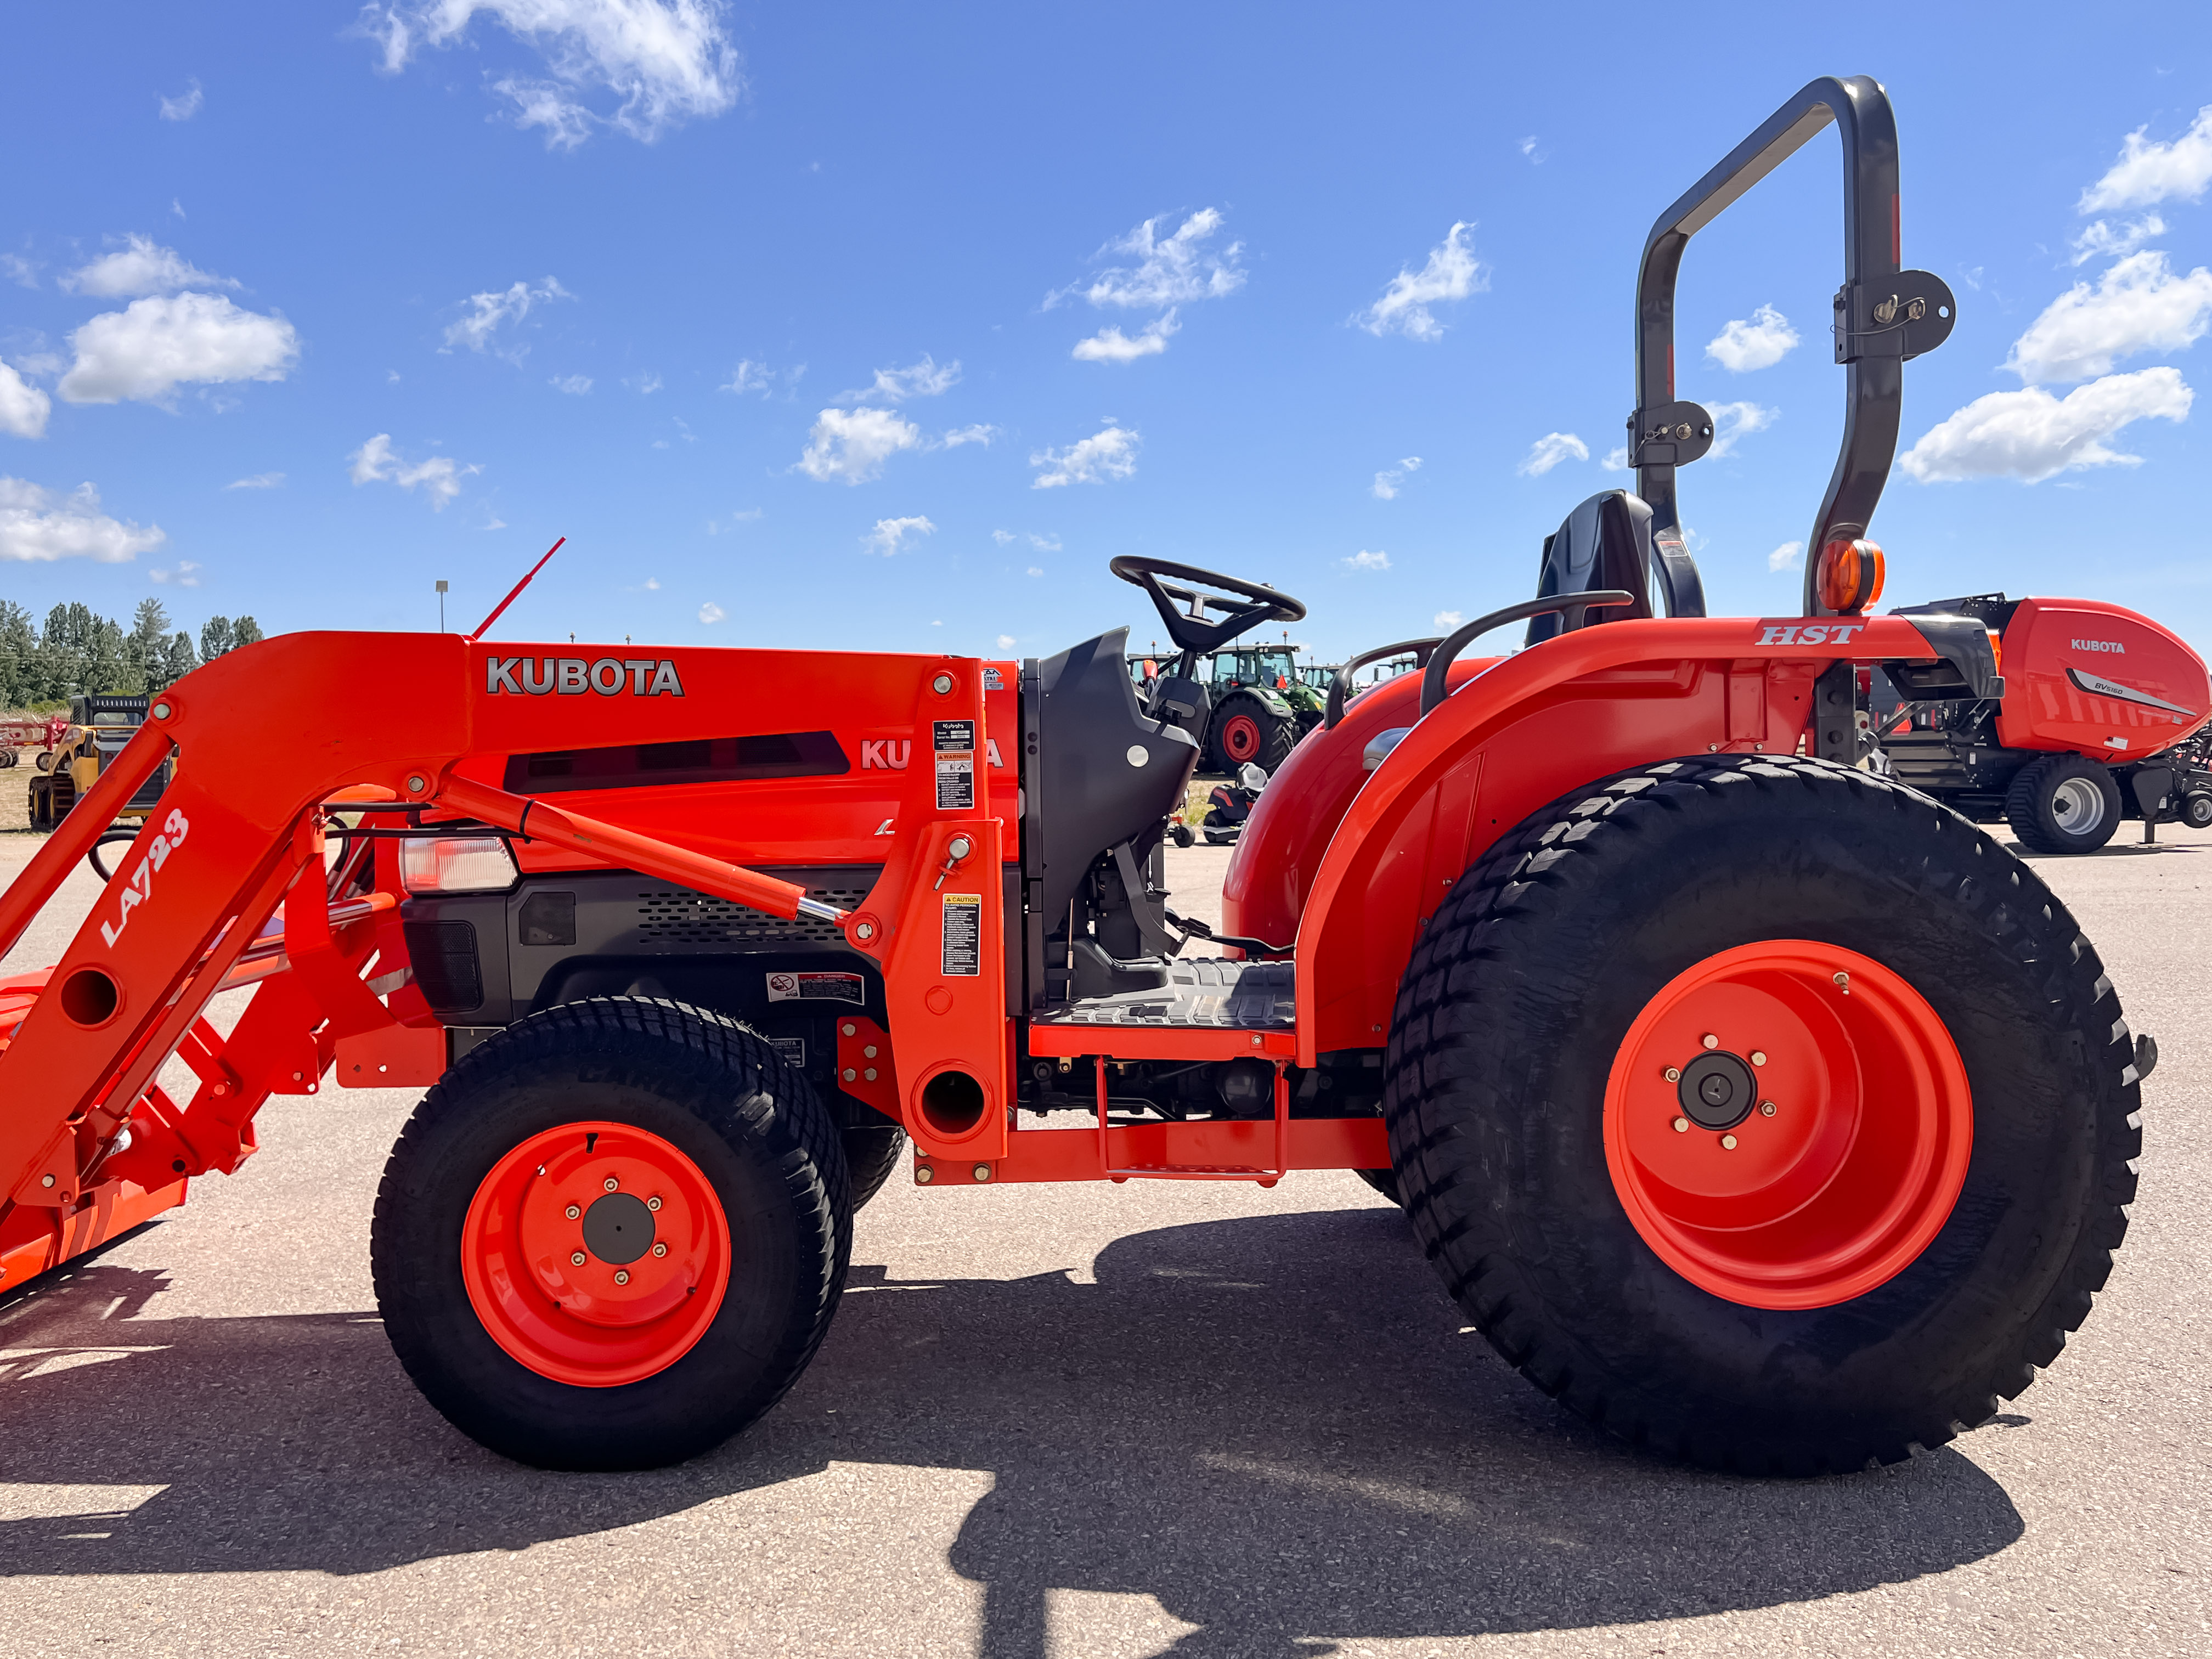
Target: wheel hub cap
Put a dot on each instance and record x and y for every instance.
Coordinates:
(618, 1229)
(1717, 1091)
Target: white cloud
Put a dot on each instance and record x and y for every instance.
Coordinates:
(1548, 450)
(1616, 459)
(1171, 271)
(1761, 343)
(1045, 543)
(185, 105)
(710, 612)
(1111, 452)
(2139, 305)
(21, 271)
(750, 376)
(644, 384)
(889, 534)
(490, 312)
(37, 526)
(1363, 560)
(1734, 421)
(2030, 436)
(1452, 273)
(1527, 149)
(971, 434)
(1790, 555)
(23, 407)
(853, 445)
(440, 476)
(177, 206)
(2100, 239)
(1035, 570)
(1002, 537)
(2157, 171)
(141, 266)
(652, 584)
(258, 480)
(147, 351)
(1007, 641)
(186, 574)
(1446, 620)
(660, 62)
(923, 379)
(574, 385)
(1110, 345)
(1391, 478)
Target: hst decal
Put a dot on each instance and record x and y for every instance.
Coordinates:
(1814, 634)
(571, 676)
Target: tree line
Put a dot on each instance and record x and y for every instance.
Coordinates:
(79, 651)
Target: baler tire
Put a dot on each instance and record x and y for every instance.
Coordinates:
(2031, 805)
(873, 1151)
(1499, 1098)
(763, 1154)
(2196, 810)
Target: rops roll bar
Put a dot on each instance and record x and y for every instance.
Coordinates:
(1883, 315)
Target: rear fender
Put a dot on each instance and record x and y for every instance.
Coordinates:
(1525, 732)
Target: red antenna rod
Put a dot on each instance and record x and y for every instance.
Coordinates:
(486, 624)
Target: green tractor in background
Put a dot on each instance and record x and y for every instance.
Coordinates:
(1264, 700)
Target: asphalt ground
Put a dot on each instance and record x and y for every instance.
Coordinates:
(1165, 1418)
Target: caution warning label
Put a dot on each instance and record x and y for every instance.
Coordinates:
(956, 783)
(818, 988)
(962, 954)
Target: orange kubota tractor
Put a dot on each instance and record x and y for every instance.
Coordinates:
(1761, 1109)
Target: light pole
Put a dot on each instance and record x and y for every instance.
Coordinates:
(441, 607)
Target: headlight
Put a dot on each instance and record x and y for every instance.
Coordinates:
(456, 863)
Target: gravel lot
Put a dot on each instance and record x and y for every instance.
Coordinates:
(1164, 1417)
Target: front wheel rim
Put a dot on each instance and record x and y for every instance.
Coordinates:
(596, 1253)
(1845, 1182)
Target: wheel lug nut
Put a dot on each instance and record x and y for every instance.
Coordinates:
(660, 1250)
(573, 1212)
(1766, 1108)
(577, 1260)
(1759, 1056)
(612, 1183)
(622, 1276)
(1681, 1126)
(653, 1203)
(1710, 1041)
(1674, 1075)
(1728, 1141)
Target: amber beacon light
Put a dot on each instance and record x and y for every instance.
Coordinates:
(1851, 576)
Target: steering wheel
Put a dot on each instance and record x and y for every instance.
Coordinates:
(1250, 604)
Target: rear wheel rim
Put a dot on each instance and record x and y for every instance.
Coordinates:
(654, 1241)
(1845, 1182)
(1240, 738)
(2077, 806)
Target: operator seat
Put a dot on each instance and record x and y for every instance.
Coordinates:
(1608, 542)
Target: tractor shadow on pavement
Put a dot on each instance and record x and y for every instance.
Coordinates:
(1272, 1425)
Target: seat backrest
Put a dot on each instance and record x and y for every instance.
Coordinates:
(1608, 542)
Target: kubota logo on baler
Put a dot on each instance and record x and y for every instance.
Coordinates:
(570, 677)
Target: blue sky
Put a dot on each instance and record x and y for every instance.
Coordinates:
(886, 326)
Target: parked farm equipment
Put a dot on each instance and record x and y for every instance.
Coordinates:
(1756, 1108)
(45, 735)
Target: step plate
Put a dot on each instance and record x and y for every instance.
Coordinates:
(1210, 993)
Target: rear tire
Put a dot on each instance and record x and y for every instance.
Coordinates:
(560, 1365)
(1247, 733)
(2196, 812)
(1504, 1101)
(2063, 804)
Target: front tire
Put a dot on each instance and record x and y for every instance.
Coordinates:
(612, 1236)
(1957, 1123)
(1247, 733)
(2196, 812)
(2063, 804)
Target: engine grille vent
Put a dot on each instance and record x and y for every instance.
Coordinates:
(676, 917)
